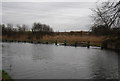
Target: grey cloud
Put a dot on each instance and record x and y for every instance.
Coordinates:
(0, 12)
(59, 15)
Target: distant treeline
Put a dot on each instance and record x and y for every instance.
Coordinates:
(38, 30)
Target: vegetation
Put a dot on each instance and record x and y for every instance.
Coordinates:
(73, 38)
(106, 27)
(37, 31)
(105, 31)
(106, 19)
(44, 33)
(4, 76)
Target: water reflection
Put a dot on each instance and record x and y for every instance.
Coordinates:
(41, 52)
(119, 65)
(0, 61)
(38, 61)
(7, 58)
(104, 65)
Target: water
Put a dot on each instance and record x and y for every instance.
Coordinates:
(40, 61)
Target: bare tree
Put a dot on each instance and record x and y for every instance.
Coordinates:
(106, 14)
(118, 11)
(18, 27)
(38, 27)
(22, 28)
(9, 27)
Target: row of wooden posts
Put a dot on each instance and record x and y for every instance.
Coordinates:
(75, 44)
(87, 44)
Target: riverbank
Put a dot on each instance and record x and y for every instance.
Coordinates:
(104, 42)
(5, 76)
(112, 43)
(68, 40)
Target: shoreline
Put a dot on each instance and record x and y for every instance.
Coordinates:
(6, 76)
(103, 42)
(65, 43)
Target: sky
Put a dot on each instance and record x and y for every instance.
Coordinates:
(61, 16)
(51, 0)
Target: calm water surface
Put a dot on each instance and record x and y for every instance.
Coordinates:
(39, 61)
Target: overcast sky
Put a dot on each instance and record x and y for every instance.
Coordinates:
(61, 16)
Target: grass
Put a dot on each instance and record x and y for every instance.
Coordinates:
(5, 76)
(94, 40)
(70, 39)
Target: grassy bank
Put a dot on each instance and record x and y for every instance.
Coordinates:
(5, 76)
(69, 39)
(94, 40)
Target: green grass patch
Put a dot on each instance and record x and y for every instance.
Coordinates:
(5, 76)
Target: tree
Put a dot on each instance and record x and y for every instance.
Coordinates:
(9, 27)
(22, 28)
(118, 11)
(3, 29)
(0, 29)
(106, 15)
(19, 27)
(100, 30)
(39, 29)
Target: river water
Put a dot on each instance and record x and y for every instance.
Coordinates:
(41, 61)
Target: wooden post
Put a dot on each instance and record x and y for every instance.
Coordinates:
(56, 42)
(76, 44)
(47, 42)
(65, 43)
(102, 47)
(88, 44)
